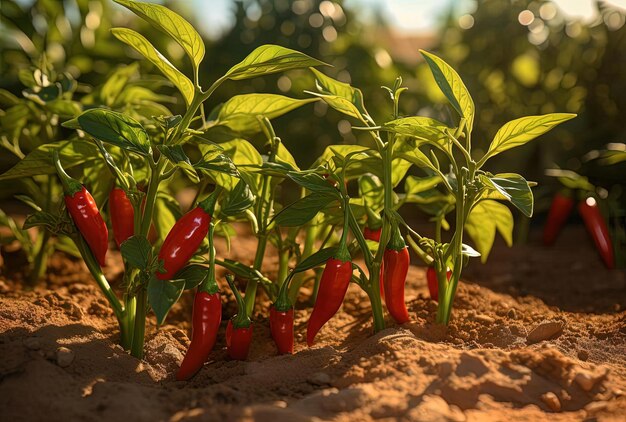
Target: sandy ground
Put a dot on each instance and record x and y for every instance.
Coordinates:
(537, 334)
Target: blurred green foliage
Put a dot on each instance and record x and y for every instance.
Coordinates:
(533, 63)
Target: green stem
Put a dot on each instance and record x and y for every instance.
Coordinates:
(96, 272)
(151, 195)
(139, 328)
(252, 285)
(283, 267)
(41, 258)
(375, 299)
(130, 309)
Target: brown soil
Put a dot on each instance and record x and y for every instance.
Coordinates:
(536, 334)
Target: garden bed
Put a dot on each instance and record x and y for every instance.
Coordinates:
(61, 360)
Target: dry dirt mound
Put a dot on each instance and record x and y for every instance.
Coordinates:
(501, 358)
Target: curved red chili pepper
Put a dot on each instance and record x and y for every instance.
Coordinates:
(281, 327)
(590, 212)
(560, 209)
(433, 284)
(332, 289)
(84, 212)
(183, 241)
(396, 266)
(122, 215)
(238, 341)
(205, 322)
(89, 222)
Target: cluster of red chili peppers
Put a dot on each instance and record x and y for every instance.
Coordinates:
(560, 210)
(183, 241)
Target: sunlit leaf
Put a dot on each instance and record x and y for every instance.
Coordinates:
(143, 46)
(481, 225)
(115, 128)
(452, 86)
(514, 188)
(172, 24)
(268, 59)
(523, 130)
(240, 112)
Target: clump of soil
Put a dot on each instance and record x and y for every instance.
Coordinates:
(507, 354)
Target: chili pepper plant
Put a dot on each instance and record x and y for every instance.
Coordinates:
(237, 181)
(143, 155)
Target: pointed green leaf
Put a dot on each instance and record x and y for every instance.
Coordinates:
(193, 275)
(172, 24)
(342, 105)
(329, 86)
(39, 161)
(137, 252)
(162, 295)
(422, 128)
(241, 111)
(238, 200)
(514, 188)
(521, 131)
(452, 87)
(146, 49)
(268, 59)
(303, 210)
(116, 129)
(481, 225)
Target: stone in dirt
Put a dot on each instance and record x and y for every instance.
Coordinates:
(64, 357)
(552, 401)
(547, 330)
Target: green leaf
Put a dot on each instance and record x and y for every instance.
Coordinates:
(238, 200)
(241, 111)
(162, 295)
(329, 86)
(116, 82)
(193, 275)
(284, 158)
(143, 46)
(414, 185)
(486, 217)
(342, 105)
(64, 108)
(42, 219)
(372, 191)
(166, 213)
(172, 24)
(313, 182)
(116, 129)
(39, 161)
(303, 210)
(240, 270)
(268, 59)
(514, 188)
(245, 156)
(422, 128)
(137, 252)
(521, 131)
(571, 179)
(452, 87)
(176, 155)
(316, 259)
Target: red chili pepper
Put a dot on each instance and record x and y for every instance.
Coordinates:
(84, 212)
(87, 218)
(238, 341)
(122, 215)
(183, 241)
(239, 328)
(372, 234)
(560, 209)
(598, 230)
(332, 289)
(433, 284)
(281, 327)
(205, 322)
(396, 262)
